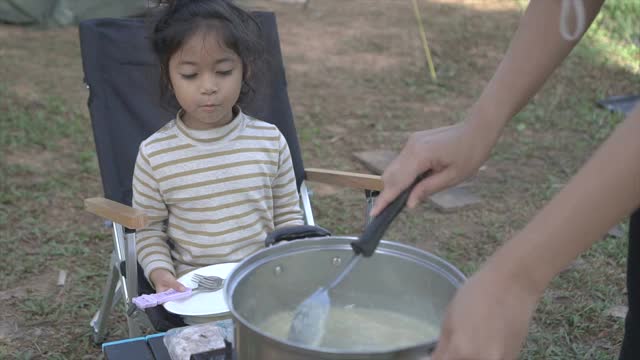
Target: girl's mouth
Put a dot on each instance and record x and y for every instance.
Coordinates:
(208, 107)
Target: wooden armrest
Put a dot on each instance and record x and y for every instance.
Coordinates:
(122, 214)
(346, 179)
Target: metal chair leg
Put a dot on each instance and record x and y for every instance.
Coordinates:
(137, 321)
(305, 199)
(136, 324)
(371, 196)
(101, 318)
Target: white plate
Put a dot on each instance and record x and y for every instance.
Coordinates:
(204, 303)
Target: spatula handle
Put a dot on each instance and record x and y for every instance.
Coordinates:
(368, 242)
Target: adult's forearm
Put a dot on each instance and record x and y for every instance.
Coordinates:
(604, 191)
(536, 50)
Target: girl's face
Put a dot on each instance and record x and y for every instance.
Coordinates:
(206, 78)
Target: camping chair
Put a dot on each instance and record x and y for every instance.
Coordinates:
(122, 75)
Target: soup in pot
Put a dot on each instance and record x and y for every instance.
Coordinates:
(359, 329)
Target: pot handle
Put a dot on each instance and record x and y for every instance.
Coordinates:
(373, 232)
(290, 233)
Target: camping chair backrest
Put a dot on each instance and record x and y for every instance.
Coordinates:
(122, 75)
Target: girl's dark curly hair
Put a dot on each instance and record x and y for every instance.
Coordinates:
(174, 21)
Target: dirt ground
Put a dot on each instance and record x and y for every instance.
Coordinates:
(358, 80)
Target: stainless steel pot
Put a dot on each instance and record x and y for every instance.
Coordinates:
(397, 278)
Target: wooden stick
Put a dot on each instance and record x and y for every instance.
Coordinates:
(346, 179)
(122, 214)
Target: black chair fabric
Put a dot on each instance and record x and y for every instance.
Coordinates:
(124, 103)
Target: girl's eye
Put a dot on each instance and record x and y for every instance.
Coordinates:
(225, 73)
(188, 76)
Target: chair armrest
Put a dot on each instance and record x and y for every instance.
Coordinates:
(346, 179)
(122, 214)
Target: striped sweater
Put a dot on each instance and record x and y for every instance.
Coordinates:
(212, 195)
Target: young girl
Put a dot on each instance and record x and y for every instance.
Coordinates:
(213, 181)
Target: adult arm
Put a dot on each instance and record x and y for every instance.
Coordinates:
(456, 152)
(489, 316)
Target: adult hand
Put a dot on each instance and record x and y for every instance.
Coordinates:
(487, 319)
(164, 280)
(452, 153)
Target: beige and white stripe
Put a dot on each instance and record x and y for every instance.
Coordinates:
(213, 195)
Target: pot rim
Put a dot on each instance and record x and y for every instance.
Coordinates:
(266, 255)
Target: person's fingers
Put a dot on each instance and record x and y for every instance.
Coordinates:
(162, 288)
(387, 195)
(439, 353)
(430, 185)
(170, 284)
(176, 285)
(419, 154)
(396, 178)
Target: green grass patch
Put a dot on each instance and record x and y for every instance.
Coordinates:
(41, 124)
(614, 36)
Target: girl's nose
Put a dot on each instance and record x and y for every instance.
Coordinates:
(209, 86)
(209, 89)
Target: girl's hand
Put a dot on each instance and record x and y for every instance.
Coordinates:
(487, 319)
(452, 153)
(164, 280)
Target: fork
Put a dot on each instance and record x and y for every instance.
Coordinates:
(207, 283)
(203, 283)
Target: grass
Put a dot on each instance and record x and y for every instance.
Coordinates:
(615, 37)
(48, 158)
(41, 125)
(583, 296)
(48, 163)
